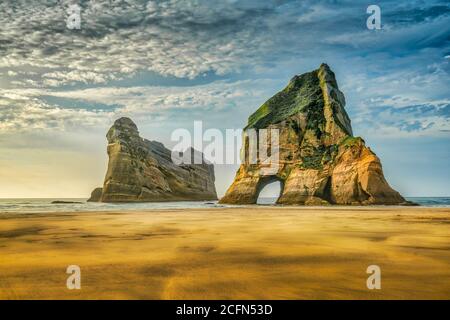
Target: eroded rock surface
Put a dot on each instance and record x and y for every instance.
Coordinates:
(320, 162)
(142, 170)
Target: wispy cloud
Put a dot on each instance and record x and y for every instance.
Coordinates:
(28, 109)
(189, 39)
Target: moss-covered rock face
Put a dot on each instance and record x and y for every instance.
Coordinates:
(351, 141)
(302, 94)
(320, 162)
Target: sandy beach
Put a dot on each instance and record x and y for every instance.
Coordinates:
(258, 252)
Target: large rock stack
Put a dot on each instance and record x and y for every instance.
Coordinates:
(320, 162)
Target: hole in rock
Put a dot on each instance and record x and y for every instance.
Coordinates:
(269, 193)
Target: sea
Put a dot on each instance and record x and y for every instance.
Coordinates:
(80, 204)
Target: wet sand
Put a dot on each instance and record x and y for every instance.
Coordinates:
(228, 253)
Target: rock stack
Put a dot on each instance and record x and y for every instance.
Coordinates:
(320, 161)
(143, 170)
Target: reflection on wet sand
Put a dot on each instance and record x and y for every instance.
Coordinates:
(228, 253)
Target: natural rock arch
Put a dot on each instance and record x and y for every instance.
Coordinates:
(267, 180)
(320, 162)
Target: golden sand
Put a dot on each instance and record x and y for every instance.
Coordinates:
(228, 253)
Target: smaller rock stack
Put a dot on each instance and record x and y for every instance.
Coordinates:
(142, 170)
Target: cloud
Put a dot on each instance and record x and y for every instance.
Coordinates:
(31, 109)
(23, 112)
(80, 76)
(180, 38)
(217, 95)
(188, 38)
(430, 119)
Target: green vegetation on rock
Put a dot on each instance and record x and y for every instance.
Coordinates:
(320, 156)
(302, 94)
(351, 141)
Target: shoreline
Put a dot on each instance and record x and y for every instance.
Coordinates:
(209, 206)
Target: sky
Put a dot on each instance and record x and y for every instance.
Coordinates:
(166, 64)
